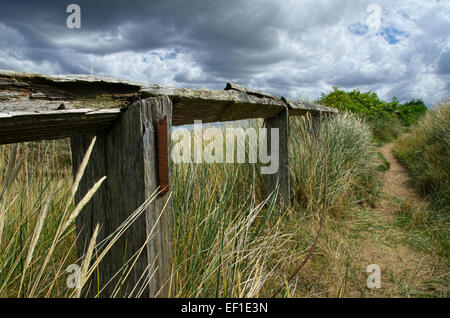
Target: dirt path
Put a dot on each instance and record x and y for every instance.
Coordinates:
(408, 265)
(395, 185)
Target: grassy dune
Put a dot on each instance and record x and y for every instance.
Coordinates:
(230, 239)
(425, 151)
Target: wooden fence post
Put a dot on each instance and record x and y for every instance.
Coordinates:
(281, 177)
(127, 156)
(315, 124)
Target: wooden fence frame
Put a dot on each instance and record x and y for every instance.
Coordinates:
(131, 151)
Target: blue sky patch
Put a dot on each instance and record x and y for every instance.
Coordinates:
(392, 35)
(358, 28)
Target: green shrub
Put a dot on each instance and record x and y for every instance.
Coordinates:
(386, 119)
(410, 112)
(425, 151)
(367, 104)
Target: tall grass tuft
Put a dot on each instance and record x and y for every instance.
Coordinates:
(226, 230)
(352, 175)
(37, 239)
(35, 190)
(425, 151)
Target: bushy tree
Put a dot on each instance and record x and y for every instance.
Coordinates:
(372, 107)
(411, 111)
(385, 118)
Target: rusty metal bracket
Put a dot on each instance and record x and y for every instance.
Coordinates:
(162, 154)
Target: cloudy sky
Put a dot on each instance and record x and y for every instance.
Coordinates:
(295, 48)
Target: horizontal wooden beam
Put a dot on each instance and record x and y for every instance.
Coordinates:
(301, 108)
(47, 105)
(30, 126)
(215, 105)
(240, 88)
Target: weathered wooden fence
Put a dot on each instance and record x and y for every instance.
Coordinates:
(132, 122)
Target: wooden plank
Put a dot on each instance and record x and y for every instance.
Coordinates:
(126, 154)
(29, 126)
(37, 92)
(301, 108)
(215, 105)
(280, 179)
(240, 88)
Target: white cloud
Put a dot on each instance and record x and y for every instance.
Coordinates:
(293, 48)
(13, 53)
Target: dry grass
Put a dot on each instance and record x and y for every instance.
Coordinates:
(425, 151)
(37, 223)
(230, 240)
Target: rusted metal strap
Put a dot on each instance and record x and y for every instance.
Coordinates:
(162, 154)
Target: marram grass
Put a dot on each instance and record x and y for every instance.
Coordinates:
(230, 238)
(425, 151)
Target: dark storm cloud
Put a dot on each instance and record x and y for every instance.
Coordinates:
(224, 35)
(279, 46)
(444, 63)
(148, 24)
